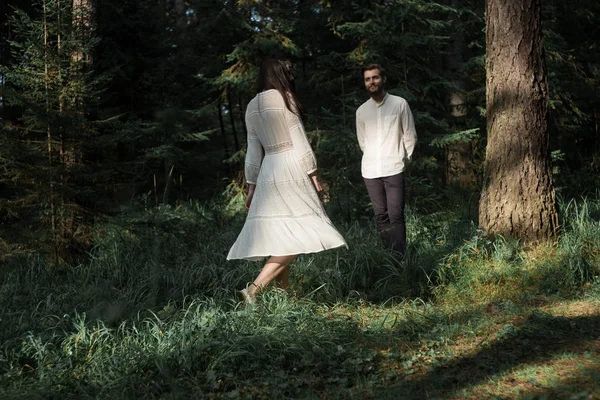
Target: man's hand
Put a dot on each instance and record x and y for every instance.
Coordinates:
(248, 200)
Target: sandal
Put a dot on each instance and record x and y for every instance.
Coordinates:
(244, 296)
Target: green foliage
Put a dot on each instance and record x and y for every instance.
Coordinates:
(50, 88)
(159, 74)
(573, 81)
(580, 246)
(502, 263)
(462, 136)
(235, 203)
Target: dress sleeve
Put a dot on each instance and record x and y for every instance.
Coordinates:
(254, 155)
(302, 149)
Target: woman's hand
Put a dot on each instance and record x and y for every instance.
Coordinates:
(316, 184)
(248, 200)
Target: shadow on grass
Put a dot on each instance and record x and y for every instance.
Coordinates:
(583, 386)
(533, 339)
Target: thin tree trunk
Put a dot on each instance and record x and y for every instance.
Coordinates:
(518, 198)
(72, 103)
(168, 161)
(66, 219)
(168, 185)
(327, 193)
(82, 23)
(222, 125)
(404, 55)
(242, 116)
(53, 216)
(597, 144)
(180, 12)
(4, 34)
(232, 120)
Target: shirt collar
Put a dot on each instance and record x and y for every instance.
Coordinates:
(387, 94)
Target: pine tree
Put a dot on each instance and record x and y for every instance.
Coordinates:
(518, 197)
(48, 86)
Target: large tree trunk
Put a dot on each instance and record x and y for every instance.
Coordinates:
(518, 198)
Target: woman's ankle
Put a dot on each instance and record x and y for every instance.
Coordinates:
(252, 290)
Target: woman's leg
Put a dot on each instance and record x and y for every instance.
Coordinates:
(283, 279)
(274, 267)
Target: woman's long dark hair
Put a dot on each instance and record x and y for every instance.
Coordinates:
(275, 74)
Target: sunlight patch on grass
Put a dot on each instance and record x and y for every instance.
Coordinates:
(572, 376)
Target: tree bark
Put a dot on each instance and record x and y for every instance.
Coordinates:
(518, 197)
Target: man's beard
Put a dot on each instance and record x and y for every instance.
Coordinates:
(376, 90)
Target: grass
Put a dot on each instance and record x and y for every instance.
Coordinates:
(152, 315)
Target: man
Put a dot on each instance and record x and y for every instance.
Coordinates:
(386, 135)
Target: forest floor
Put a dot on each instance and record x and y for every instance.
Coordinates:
(151, 314)
(546, 350)
(547, 347)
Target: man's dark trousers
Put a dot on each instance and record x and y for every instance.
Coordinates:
(387, 197)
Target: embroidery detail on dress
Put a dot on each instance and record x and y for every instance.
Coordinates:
(279, 147)
(308, 162)
(252, 172)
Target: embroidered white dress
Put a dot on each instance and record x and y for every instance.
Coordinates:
(286, 216)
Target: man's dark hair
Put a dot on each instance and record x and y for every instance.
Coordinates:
(371, 67)
(275, 74)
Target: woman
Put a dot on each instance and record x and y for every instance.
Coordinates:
(285, 216)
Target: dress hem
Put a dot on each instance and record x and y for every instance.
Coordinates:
(259, 257)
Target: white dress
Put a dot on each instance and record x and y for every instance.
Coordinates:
(286, 216)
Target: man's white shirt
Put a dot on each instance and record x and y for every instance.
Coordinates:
(386, 135)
